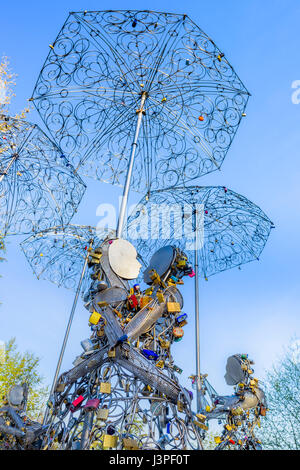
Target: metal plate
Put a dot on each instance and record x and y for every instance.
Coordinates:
(16, 395)
(122, 259)
(234, 373)
(160, 261)
(112, 295)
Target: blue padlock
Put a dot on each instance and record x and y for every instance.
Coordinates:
(150, 355)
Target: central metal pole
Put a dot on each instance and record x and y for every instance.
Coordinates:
(140, 113)
(63, 348)
(197, 322)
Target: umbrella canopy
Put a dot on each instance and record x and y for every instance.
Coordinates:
(58, 254)
(230, 229)
(38, 186)
(106, 67)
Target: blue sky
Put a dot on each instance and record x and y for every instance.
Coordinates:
(255, 310)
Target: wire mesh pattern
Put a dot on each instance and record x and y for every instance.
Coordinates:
(38, 187)
(58, 254)
(234, 230)
(90, 88)
(116, 410)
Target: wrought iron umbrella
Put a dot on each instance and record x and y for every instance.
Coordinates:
(219, 228)
(61, 255)
(38, 186)
(150, 81)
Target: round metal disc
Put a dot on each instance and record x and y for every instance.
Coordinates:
(122, 259)
(160, 261)
(234, 373)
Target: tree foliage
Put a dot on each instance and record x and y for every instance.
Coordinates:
(17, 368)
(281, 427)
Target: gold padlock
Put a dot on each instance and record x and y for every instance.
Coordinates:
(111, 353)
(94, 318)
(160, 364)
(160, 297)
(100, 332)
(201, 425)
(164, 344)
(201, 417)
(102, 414)
(130, 444)
(180, 407)
(105, 387)
(217, 439)
(145, 301)
(173, 307)
(110, 441)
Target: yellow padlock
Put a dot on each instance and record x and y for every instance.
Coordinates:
(160, 297)
(217, 439)
(201, 425)
(111, 353)
(102, 414)
(180, 406)
(160, 364)
(110, 441)
(94, 318)
(173, 307)
(105, 387)
(201, 417)
(130, 444)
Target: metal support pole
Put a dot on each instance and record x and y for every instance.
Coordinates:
(14, 158)
(63, 348)
(139, 112)
(197, 323)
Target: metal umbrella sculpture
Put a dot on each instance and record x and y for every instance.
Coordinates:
(61, 254)
(150, 81)
(123, 390)
(38, 186)
(215, 226)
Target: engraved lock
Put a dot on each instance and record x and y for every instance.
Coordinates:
(105, 387)
(173, 307)
(109, 441)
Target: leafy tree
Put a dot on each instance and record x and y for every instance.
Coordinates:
(281, 427)
(18, 368)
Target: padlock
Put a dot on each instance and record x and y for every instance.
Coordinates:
(178, 332)
(130, 444)
(160, 364)
(177, 369)
(92, 404)
(201, 417)
(145, 300)
(60, 387)
(87, 345)
(164, 344)
(94, 318)
(109, 441)
(111, 353)
(105, 387)
(160, 297)
(217, 439)
(149, 354)
(102, 304)
(100, 332)
(180, 406)
(173, 307)
(102, 414)
(228, 427)
(201, 425)
(76, 403)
